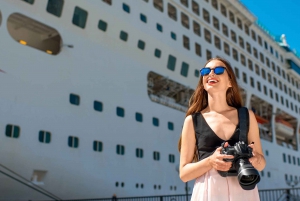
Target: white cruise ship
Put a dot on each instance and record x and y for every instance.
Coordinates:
(94, 93)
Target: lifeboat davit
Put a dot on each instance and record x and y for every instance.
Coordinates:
(284, 128)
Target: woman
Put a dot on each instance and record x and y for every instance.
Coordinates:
(216, 100)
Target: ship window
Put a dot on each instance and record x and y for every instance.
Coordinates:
(12, 131)
(273, 66)
(195, 7)
(275, 81)
(29, 1)
(44, 137)
(107, 1)
(141, 44)
(139, 117)
(29, 32)
(244, 77)
(73, 141)
(74, 99)
(233, 36)
(155, 121)
(258, 86)
(262, 59)
(269, 174)
(206, 15)
(257, 69)
(282, 101)
(173, 35)
(139, 153)
(262, 173)
(98, 106)
(268, 62)
(0, 18)
(143, 18)
(236, 72)
(208, 55)
(223, 10)
(246, 29)
(120, 149)
(185, 21)
(289, 159)
(214, 4)
(146, 0)
(263, 73)
(278, 70)
(252, 82)
(253, 34)
(235, 54)
(184, 2)
(269, 78)
(156, 155)
(171, 62)
(186, 42)
(298, 161)
(231, 17)
(243, 59)
(159, 27)
(266, 45)
(123, 35)
(217, 42)
(265, 90)
(248, 47)
(102, 25)
(207, 35)
(292, 106)
(287, 103)
(216, 23)
(225, 29)
(184, 69)
(120, 112)
(196, 73)
(79, 17)
(255, 52)
(284, 157)
(283, 74)
(171, 158)
(172, 12)
(241, 41)
(158, 4)
(196, 28)
(98, 146)
(126, 8)
(250, 65)
(157, 53)
(239, 23)
(271, 93)
(276, 54)
(55, 7)
(117, 184)
(259, 40)
(198, 49)
(171, 126)
(226, 48)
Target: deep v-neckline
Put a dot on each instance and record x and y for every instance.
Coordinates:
(236, 127)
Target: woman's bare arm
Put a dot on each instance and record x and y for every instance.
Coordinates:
(258, 160)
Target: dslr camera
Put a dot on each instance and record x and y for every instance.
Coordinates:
(241, 167)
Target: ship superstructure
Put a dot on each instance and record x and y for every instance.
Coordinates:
(94, 93)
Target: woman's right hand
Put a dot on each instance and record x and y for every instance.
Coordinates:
(216, 160)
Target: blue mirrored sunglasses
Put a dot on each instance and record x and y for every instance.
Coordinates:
(219, 70)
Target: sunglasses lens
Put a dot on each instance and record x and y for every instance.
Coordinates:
(219, 70)
(205, 71)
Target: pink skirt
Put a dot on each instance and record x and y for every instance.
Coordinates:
(213, 187)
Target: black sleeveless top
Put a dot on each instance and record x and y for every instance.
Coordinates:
(206, 139)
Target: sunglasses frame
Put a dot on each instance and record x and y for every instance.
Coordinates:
(214, 69)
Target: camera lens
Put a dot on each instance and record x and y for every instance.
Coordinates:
(248, 179)
(248, 176)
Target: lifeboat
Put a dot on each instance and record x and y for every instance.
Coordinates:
(284, 128)
(261, 120)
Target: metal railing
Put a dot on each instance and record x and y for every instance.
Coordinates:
(289, 194)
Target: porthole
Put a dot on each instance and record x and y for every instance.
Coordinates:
(32, 33)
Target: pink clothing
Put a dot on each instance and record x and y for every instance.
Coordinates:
(213, 187)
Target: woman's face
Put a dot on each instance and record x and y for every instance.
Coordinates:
(215, 82)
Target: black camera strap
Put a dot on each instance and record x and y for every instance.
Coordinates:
(244, 124)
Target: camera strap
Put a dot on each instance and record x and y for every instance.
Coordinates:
(243, 114)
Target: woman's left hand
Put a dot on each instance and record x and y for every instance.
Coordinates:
(256, 159)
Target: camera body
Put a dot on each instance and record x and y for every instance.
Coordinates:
(247, 175)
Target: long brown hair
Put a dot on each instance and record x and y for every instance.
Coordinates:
(199, 99)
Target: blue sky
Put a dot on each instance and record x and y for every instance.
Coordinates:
(279, 17)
